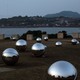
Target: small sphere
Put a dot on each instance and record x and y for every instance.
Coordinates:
(21, 45)
(46, 38)
(14, 37)
(10, 56)
(74, 41)
(38, 49)
(58, 43)
(21, 42)
(38, 39)
(62, 70)
(77, 42)
(45, 46)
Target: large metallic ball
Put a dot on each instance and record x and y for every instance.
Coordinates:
(46, 38)
(62, 70)
(38, 39)
(38, 49)
(74, 41)
(10, 56)
(21, 45)
(58, 43)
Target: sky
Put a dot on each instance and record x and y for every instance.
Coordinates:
(10, 8)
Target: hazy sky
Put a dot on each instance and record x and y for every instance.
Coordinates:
(9, 8)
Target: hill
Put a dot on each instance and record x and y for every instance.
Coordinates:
(65, 14)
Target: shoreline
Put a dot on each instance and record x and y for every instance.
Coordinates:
(42, 27)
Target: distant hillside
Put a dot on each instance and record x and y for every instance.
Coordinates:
(65, 14)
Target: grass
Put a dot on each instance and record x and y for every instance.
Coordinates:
(30, 67)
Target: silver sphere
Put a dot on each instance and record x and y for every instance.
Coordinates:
(14, 37)
(21, 45)
(74, 41)
(46, 38)
(45, 46)
(38, 49)
(62, 70)
(58, 43)
(38, 39)
(77, 42)
(10, 56)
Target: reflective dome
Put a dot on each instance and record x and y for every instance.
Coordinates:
(45, 38)
(62, 70)
(21, 42)
(21, 45)
(10, 56)
(58, 43)
(38, 46)
(74, 41)
(77, 42)
(38, 49)
(15, 37)
(45, 46)
(38, 39)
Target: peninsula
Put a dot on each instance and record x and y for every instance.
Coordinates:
(61, 19)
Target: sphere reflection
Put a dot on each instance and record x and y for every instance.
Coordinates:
(21, 45)
(38, 49)
(74, 41)
(10, 56)
(46, 38)
(62, 70)
(58, 43)
(38, 39)
(77, 42)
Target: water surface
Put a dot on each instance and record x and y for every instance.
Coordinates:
(50, 30)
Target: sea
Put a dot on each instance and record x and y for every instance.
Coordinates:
(50, 30)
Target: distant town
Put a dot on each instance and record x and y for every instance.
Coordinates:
(39, 21)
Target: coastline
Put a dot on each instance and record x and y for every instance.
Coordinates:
(41, 27)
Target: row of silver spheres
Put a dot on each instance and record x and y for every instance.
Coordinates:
(59, 70)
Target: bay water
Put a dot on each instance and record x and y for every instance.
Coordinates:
(50, 30)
